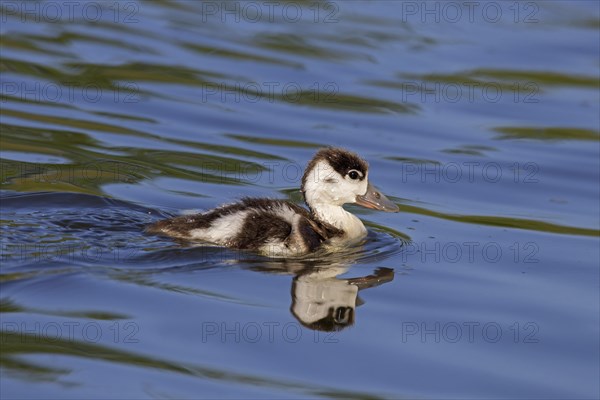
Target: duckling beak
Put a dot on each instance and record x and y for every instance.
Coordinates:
(376, 200)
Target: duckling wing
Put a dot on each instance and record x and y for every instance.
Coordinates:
(260, 228)
(289, 212)
(279, 229)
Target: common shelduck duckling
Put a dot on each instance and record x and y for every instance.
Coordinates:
(278, 228)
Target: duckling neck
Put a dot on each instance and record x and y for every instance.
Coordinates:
(335, 215)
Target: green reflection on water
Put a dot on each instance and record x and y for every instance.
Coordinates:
(108, 77)
(507, 78)
(276, 142)
(93, 165)
(527, 84)
(471, 150)
(239, 55)
(547, 133)
(9, 306)
(506, 222)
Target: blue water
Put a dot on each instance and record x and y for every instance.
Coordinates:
(480, 121)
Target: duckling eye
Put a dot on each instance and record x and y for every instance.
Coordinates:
(353, 174)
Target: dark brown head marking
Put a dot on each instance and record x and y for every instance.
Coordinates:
(341, 160)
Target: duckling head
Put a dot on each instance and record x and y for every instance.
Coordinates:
(337, 176)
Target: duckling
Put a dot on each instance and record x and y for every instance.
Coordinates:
(278, 228)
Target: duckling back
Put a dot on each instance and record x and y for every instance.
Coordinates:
(274, 228)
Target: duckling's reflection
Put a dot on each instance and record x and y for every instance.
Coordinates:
(322, 301)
